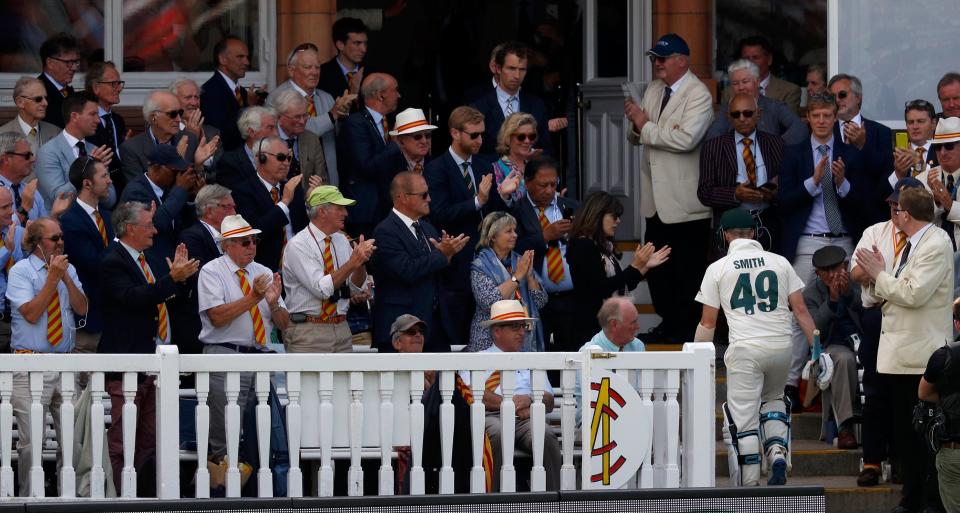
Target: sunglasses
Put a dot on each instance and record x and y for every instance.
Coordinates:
(423, 195)
(473, 135)
(419, 136)
(281, 157)
(54, 238)
(524, 137)
(843, 95)
(173, 114)
(247, 242)
(747, 114)
(946, 146)
(26, 155)
(414, 331)
(917, 104)
(35, 99)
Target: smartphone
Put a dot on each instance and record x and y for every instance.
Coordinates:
(901, 140)
(567, 212)
(769, 186)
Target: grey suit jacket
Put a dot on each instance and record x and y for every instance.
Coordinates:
(780, 90)
(135, 149)
(775, 118)
(53, 169)
(321, 125)
(46, 131)
(312, 158)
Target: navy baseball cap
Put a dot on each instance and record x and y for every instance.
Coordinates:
(904, 183)
(668, 45)
(166, 155)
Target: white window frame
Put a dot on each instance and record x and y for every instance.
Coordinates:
(139, 84)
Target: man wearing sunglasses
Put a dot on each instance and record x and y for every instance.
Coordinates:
(942, 181)
(31, 99)
(414, 135)
(670, 123)
(774, 116)
(60, 56)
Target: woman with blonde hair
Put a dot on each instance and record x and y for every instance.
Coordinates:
(515, 141)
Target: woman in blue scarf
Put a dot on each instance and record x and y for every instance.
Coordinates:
(497, 273)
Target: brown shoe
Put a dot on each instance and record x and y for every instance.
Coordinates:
(846, 440)
(869, 476)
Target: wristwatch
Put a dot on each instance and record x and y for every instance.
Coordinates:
(515, 280)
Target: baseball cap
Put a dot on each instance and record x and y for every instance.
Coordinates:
(166, 155)
(668, 45)
(828, 256)
(904, 183)
(325, 194)
(405, 322)
(737, 218)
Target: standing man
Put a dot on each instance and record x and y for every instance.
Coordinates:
(221, 97)
(31, 100)
(366, 153)
(10, 254)
(308, 157)
(44, 293)
(136, 292)
(55, 158)
(757, 291)
(343, 73)
(240, 164)
(60, 55)
(87, 233)
(270, 202)
(188, 93)
(757, 50)
(939, 385)
(948, 92)
(239, 304)
(543, 221)
(942, 181)
(919, 154)
(320, 298)
(414, 135)
(103, 81)
(914, 326)
(670, 123)
(740, 168)
(324, 112)
(406, 266)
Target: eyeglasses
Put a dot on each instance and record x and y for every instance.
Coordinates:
(524, 137)
(255, 240)
(54, 238)
(27, 155)
(71, 63)
(747, 114)
(414, 331)
(473, 135)
(515, 326)
(657, 58)
(945, 146)
(172, 114)
(898, 210)
(113, 83)
(281, 157)
(35, 99)
(148, 226)
(298, 117)
(423, 195)
(419, 136)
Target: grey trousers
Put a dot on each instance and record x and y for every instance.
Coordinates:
(552, 459)
(843, 395)
(218, 402)
(21, 400)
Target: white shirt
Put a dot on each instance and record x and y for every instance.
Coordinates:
(377, 120)
(135, 255)
(283, 206)
(857, 120)
(306, 283)
(90, 211)
(817, 222)
(522, 383)
(56, 84)
(761, 169)
(219, 284)
(553, 214)
(763, 84)
(473, 180)
(408, 222)
(752, 286)
(35, 140)
(884, 237)
(215, 233)
(26, 279)
(72, 141)
(230, 83)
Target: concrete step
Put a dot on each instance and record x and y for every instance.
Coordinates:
(810, 458)
(844, 496)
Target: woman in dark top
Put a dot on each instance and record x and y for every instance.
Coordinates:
(595, 262)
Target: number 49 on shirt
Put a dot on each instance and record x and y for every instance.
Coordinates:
(764, 288)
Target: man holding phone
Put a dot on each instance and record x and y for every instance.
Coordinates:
(914, 152)
(740, 168)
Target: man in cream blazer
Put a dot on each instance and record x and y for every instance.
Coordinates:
(917, 319)
(670, 123)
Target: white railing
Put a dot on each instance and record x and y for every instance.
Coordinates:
(356, 406)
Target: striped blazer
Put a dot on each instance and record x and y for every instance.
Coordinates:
(718, 168)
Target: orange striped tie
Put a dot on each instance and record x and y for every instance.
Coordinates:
(492, 382)
(259, 333)
(102, 228)
(748, 162)
(162, 307)
(554, 259)
(329, 307)
(238, 96)
(386, 129)
(54, 321)
(901, 243)
(311, 108)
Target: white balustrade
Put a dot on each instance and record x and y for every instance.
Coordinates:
(128, 479)
(646, 407)
(68, 477)
(232, 422)
(6, 434)
(98, 478)
(446, 379)
(417, 477)
(355, 472)
(538, 476)
(37, 425)
(294, 475)
(508, 429)
(386, 433)
(202, 384)
(478, 477)
(568, 414)
(264, 476)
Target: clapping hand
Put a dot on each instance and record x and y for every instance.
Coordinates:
(448, 245)
(483, 188)
(193, 122)
(363, 250)
(182, 266)
(61, 203)
(261, 284)
(871, 261)
(509, 185)
(104, 154)
(524, 264)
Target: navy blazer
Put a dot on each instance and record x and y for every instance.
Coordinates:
(235, 167)
(877, 159)
(257, 208)
(186, 328)
(173, 214)
(795, 203)
(104, 137)
(84, 247)
(366, 162)
(54, 101)
(493, 119)
(130, 302)
(332, 79)
(407, 281)
(529, 232)
(220, 109)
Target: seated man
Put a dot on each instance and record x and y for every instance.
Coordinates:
(508, 323)
(833, 300)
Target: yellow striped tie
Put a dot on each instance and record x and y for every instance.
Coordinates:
(162, 307)
(900, 244)
(54, 320)
(311, 108)
(329, 307)
(259, 333)
(102, 228)
(492, 382)
(554, 259)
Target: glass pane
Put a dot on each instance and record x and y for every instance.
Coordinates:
(612, 38)
(179, 35)
(25, 25)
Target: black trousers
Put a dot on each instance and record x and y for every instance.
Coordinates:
(559, 319)
(920, 487)
(674, 284)
(876, 433)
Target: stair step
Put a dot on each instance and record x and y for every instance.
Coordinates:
(843, 494)
(810, 458)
